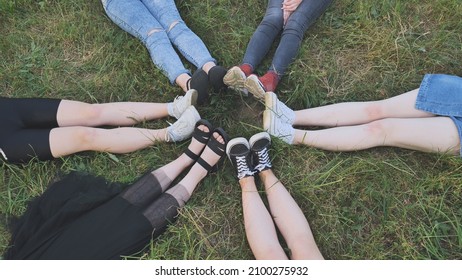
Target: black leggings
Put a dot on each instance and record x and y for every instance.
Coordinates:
(25, 125)
(159, 207)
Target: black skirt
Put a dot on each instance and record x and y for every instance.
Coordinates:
(80, 217)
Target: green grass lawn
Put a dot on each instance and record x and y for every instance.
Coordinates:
(383, 203)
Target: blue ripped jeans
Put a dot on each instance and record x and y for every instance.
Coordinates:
(158, 24)
(292, 33)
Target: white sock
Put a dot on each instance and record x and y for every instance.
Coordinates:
(170, 109)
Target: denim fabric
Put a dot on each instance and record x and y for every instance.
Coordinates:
(292, 33)
(158, 24)
(458, 122)
(441, 94)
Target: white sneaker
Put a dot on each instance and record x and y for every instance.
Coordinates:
(181, 103)
(278, 128)
(184, 127)
(235, 79)
(272, 103)
(255, 87)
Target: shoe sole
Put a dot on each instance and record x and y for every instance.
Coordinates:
(259, 136)
(267, 120)
(234, 80)
(271, 101)
(235, 141)
(252, 84)
(193, 97)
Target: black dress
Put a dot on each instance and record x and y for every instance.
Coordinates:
(83, 217)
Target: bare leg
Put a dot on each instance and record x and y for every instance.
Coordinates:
(259, 226)
(353, 113)
(174, 168)
(68, 140)
(289, 219)
(182, 80)
(197, 172)
(75, 113)
(431, 134)
(183, 190)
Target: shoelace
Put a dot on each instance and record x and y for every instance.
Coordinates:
(3, 154)
(242, 167)
(263, 160)
(177, 100)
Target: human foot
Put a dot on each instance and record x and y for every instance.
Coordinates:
(200, 137)
(279, 108)
(181, 103)
(183, 127)
(238, 151)
(259, 148)
(258, 86)
(278, 128)
(255, 87)
(235, 79)
(200, 82)
(214, 150)
(216, 76)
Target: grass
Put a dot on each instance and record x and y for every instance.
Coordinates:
(382, 203)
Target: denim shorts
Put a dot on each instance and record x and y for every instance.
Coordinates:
(441, 94)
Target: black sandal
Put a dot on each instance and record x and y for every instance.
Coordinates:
(218, 148)
(201, 136)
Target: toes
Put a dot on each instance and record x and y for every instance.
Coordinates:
(218, 137)
(203, 128)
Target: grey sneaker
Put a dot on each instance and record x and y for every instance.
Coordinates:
(255, 87)
(278, 128)
(259, 147)
(181, 103)
(279, 108)
(235, 79)
(183, 128)
(238, 151)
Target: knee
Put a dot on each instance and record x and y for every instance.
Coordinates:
(156, 37)
(380, 129)
(293, 28)
(374, 110)
(272, 21)
(85, 136)
(176, 29)
(92, 113)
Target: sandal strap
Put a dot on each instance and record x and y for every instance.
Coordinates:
(214, 145)
(191, 155)
(204, 164)
(202, 136)
(217, 147)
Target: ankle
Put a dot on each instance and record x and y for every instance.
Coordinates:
(208, 66)
(247, 183)
(270, 80)
(247, 69)
(182, 81)
(185, 161)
